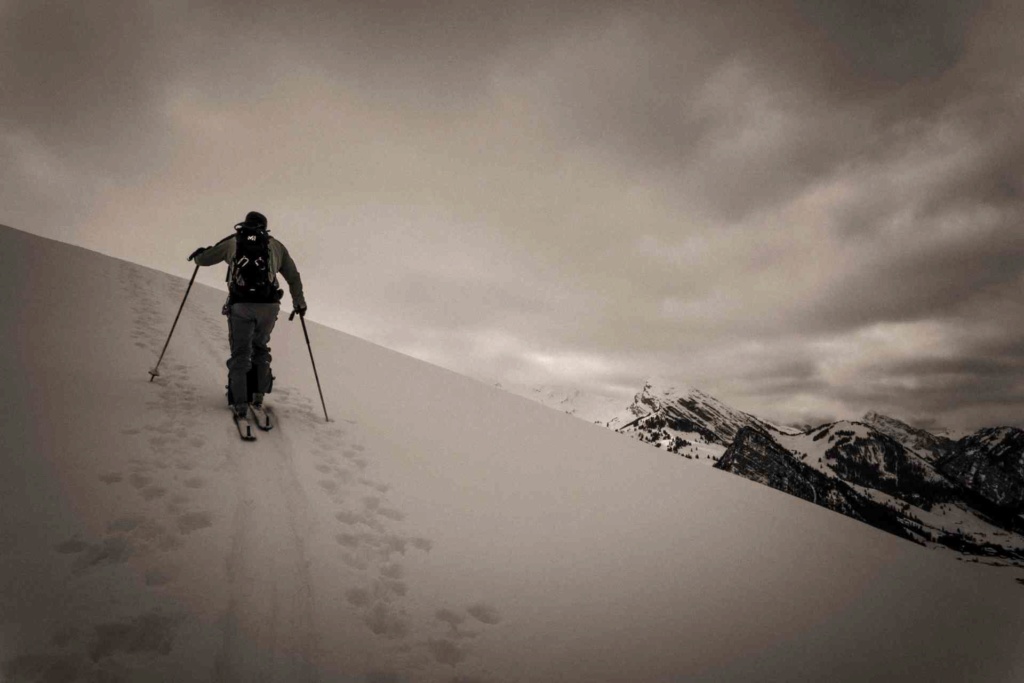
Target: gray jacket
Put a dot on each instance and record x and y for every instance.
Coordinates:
(280, 262)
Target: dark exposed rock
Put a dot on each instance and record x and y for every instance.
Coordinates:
(860, 454)
(756, 455)
(990, 464)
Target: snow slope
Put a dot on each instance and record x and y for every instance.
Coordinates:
(589, 406)
(437, 530)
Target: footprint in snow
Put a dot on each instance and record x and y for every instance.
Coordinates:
(453, 619)
(194, 521)
(71, 546)
(484, 613)
(348, 540)
(383, 677)
(376, 486)
(160, 576)
(355, 562)
(139, 480)
(150, 633)
(153, 492)
(177, 503)
(125, 524)
(446, 651)
(391, 513)
(385, 619)
(358, 597)
(347, 517)
(127, 537)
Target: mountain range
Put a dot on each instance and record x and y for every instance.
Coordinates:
(965, 494)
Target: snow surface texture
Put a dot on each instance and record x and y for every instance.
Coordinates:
(438, 530)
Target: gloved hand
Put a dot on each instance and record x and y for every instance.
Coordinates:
(301, 310)
(197, 252)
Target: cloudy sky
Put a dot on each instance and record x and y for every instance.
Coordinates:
(808, 209)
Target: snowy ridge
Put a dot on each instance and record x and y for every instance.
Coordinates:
(438, 531)
(859, 453)
(684, 420)
(592, 407)
(687, 410)
(930, 446)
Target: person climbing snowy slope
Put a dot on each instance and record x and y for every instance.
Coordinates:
(254, 258)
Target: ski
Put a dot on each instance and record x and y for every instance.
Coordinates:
(262, 415)
(244, 427)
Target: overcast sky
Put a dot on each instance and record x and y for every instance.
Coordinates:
(807, 209)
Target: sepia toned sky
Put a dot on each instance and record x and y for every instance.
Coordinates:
(807, 209)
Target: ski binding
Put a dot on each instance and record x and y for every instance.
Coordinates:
(244, 427)
(262, 415)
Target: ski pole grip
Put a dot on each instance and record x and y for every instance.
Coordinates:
(291, 317)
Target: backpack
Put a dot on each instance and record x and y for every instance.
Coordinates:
(250, 279)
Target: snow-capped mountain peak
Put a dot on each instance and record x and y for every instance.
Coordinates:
(683, 410)
(922, 442)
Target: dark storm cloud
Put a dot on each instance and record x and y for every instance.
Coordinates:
(784, 377)
(86, 75)
(88, 79)
(702, 188)
(438, 53)
(960, 243)
(939, 390)
(81, 87)
(1008, 349)
(671, 86)
(982, 368)
(920, 285)
(892, 42)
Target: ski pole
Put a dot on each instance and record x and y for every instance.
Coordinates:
(156, 370)
(302, 319)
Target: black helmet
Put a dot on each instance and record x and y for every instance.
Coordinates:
(254, 219)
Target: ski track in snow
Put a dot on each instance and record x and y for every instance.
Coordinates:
(268, 627)
(268, 620)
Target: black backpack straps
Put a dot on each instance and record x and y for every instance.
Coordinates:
(227, 276)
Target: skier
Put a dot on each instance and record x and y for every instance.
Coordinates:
(254, 258)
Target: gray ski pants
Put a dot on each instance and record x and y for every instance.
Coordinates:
(249, 328)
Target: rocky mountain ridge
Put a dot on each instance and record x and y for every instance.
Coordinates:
(965, 494)
(665, 412)
(931, 446)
